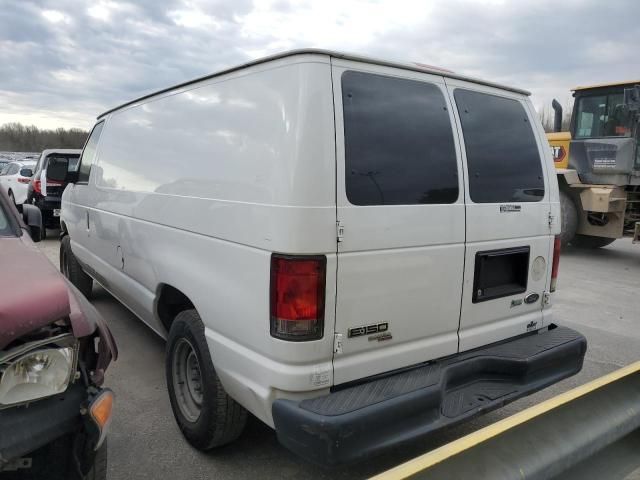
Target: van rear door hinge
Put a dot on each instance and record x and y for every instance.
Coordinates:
(339, 231)
(551, 219)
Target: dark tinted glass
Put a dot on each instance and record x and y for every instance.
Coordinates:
(502, 154)
(89, 153)
(398, 142)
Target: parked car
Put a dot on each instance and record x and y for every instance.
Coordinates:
(44, 191)
(15, 180)
(54, 350)
(358, 252)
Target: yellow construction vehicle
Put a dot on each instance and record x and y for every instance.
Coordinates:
(598, 165)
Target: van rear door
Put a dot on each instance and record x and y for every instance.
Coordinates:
(509, 240)
(400, 212)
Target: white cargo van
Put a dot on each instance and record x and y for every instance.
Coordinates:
(358, 252)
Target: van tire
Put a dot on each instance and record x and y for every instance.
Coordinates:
(218, 419)
(589, 241)
(71, 269)
(569, 214)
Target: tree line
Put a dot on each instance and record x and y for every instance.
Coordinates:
(15, 137)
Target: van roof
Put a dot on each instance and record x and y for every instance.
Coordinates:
(418, 67)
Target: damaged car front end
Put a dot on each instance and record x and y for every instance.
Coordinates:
(54, 350)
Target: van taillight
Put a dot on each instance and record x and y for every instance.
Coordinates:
(556, 262)
(36, 186)
(297, 297)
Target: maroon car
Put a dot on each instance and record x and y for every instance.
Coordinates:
(54, 349)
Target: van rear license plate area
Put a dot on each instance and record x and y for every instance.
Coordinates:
(500, 273)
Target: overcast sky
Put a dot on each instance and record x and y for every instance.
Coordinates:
(62, 62)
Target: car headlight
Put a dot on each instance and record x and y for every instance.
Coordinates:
(37, 374)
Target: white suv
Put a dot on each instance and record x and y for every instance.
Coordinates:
(356, 251)
(15, 179)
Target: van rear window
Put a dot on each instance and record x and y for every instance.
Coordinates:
(398, 139)
(502, 155)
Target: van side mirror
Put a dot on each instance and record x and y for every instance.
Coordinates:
(72, 177)
(26, 172)
(33, 219)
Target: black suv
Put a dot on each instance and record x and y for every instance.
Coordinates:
(48, 197)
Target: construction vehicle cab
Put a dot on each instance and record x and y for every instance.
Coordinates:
(598, 165)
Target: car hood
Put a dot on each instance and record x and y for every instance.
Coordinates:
(34, 294)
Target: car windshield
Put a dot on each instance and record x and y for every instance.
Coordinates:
(602, 116)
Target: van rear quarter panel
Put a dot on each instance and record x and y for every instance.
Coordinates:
(199, 186)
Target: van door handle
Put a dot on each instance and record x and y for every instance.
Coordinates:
(87, 215)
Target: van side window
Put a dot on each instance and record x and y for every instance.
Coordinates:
(89, 153)
(502, 155)
(398, 139)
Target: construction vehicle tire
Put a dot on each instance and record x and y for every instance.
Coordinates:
(588, 241)
(569, 214)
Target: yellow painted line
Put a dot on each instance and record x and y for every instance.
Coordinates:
(457, 446)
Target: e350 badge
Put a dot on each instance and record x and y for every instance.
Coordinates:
(378, 331)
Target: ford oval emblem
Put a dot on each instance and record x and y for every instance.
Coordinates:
(531, 298)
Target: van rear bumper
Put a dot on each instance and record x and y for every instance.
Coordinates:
(357, 421)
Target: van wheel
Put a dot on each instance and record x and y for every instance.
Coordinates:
(207, 416)
(588, 241)
(71, 269)
(569, 218)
